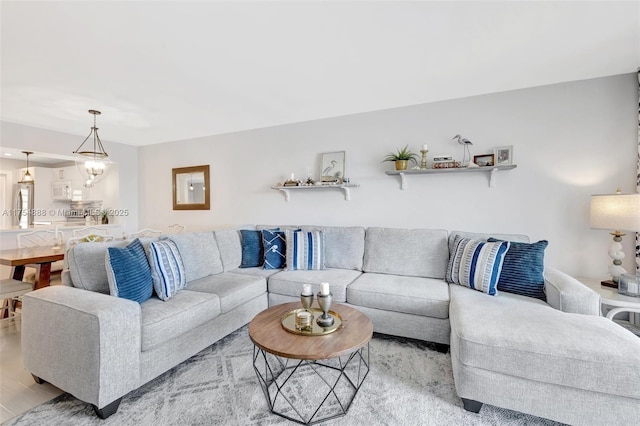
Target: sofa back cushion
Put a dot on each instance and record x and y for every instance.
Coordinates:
(409, 252)
(229, 244)
(200, 254)
(86, 265)
(344, 246)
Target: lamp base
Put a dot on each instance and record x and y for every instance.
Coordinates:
(609, 283)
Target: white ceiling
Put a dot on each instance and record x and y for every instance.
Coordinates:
(162, 70)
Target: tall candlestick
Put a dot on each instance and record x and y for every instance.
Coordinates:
(324, 289)
(293, 176)
(425, 147)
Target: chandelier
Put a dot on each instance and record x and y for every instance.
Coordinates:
(92, 164)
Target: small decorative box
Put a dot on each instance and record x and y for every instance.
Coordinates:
(629, 285)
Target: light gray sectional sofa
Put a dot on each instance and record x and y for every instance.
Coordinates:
(559, 360)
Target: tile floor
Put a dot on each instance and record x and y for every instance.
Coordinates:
(18, 391)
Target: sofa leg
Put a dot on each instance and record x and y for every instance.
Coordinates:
(471, 405)
(38, 380)
(442, 348)
(107, 410)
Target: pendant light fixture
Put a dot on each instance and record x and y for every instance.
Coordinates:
(27, 178)
(94, 163)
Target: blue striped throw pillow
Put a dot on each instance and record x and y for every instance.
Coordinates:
(128, 272)
(476, 264)
(167, 269)
(523, 269)
(305, 250)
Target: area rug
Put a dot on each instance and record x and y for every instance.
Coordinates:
(410, 383)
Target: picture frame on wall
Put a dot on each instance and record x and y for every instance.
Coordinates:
(503, 155)
(332, 167)
(484, 160)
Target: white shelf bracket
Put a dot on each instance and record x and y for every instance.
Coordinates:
(403, 181)
(347, 193)
(492, 178)
(286, 193)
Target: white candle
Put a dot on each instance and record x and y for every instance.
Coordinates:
(306, 290)
(324, 289)
(425, 147)
(293, 176)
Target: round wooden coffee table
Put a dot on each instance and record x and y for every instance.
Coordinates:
(310, 379)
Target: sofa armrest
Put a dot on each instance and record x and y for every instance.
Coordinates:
(567, 294)
(85, 343)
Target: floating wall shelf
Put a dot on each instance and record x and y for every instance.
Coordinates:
(489, 169)
(286, 190)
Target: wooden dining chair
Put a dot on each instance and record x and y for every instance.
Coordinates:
(145, 233)
(10, 291)
(90, 230)
(176, 229)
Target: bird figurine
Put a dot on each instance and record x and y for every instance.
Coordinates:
(465, 143)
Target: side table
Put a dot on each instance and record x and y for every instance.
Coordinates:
(619, 303)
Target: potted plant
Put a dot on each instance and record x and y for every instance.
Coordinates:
(402, 157)
(105, 217)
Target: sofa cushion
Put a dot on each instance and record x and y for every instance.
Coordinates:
(232, 289)
(85, 262)
(289, 283)
(128, 272)
(476, 264)
(228, 241)
(167, 269)
(252, 248)
(410, 252)
(344, 246)
(163, 321)
(275, 249)
(523, 268)
(410, 295)
(305, 250)
(200, 254)
(256, 272)
(524, 337)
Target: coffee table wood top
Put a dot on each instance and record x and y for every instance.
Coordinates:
(266, 332)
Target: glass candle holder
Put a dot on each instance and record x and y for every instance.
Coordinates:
(629, 285)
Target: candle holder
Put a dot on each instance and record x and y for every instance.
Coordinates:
(306, 300)
(325, 320)
(423, 163)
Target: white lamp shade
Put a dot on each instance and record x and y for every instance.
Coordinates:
(618, 212)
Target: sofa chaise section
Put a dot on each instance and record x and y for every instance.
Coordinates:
(522, 354)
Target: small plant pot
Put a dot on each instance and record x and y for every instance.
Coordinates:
(401, 164)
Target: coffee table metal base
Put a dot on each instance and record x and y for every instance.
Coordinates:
(309, 392)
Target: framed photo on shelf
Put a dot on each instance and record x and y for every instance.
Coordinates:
(332, 167)
(484, 160)
(503, 155)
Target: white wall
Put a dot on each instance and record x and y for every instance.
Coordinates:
(570, 141)
(117, 193)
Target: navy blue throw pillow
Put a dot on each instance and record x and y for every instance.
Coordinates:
(523, 268)
(252, 249)
(129, 273)
(275, 249)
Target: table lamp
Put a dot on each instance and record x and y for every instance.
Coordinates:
(617, 212)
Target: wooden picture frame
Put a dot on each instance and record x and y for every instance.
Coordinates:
(484, 160)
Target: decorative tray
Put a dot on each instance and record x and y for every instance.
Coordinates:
(289, 323)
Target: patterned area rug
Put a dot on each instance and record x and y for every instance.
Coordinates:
(409, 384)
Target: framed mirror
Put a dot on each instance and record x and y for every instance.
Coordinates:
(191, 188)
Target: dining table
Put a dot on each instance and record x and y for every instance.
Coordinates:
(40, 258)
